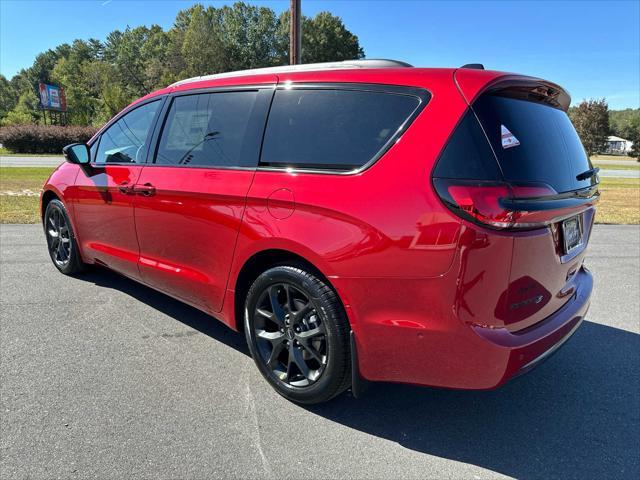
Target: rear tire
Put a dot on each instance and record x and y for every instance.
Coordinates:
(61, 240)
(298, 335)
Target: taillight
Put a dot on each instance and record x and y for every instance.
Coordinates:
(496, 204)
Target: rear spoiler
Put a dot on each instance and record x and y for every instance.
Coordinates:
(472, 83)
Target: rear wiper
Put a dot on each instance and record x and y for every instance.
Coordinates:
(588, 174)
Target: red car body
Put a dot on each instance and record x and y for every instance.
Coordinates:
(432, 298)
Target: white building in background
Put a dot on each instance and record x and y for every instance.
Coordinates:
(618, 146)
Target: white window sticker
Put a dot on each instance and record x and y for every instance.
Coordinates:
(508, 139)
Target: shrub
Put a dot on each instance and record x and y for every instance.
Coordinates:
(42, 138)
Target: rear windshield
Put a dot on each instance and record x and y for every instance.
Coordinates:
(533, 142)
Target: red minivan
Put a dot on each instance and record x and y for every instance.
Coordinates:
(361, 220)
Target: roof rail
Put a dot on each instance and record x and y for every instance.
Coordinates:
(345, 64)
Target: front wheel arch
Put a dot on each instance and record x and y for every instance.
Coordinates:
(47, 196)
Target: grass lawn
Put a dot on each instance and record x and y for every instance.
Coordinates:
(20, 193)
(23, 178)
(615, 162)
(19, 209)
(20, 187)
(615, 166)
(619, 201)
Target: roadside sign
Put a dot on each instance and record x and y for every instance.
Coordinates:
(52, 97)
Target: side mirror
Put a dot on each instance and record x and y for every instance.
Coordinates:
(77, 153)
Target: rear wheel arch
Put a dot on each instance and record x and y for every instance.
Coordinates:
(262, 261)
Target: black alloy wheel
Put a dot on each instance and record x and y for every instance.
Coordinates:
(298, 334)
(290, 335)
(61, 241)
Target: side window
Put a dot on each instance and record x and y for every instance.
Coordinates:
(332, 129)
(468, 154)
(208, 129)
(124, 141)
(93, 150)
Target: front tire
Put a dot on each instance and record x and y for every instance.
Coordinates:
(298, 335)
(61, 241)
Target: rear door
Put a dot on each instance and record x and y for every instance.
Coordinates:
(190, 199)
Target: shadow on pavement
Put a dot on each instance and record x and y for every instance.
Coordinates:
(190, 316)
(575, 416)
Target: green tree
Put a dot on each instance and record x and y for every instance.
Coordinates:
(249, 35)
(202, 48)
(83, 103)
(620, 120)
(25, 110)
(22, 100)
(8, 96)
(138, 55)
(591, 120)
(632, 132)
(100, 78)
(324, 39)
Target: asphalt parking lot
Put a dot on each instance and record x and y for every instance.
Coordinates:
(104, 378)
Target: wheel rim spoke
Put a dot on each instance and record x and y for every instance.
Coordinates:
(272, 337)
(276, 308)
(312, 333)
(296, 358)
(288, 305)
(272, 361)
(266, 314)
(313, 352)
(301, 312)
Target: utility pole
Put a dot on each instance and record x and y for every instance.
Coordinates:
(295, 37)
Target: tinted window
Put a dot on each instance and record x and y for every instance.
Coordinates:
(332, 128)
(125, 140)
(468, 154)
(549, 149)
(207, 130)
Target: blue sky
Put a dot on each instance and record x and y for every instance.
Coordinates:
(591, 48)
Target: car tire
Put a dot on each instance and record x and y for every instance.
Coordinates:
(298, 334)
(61, 240)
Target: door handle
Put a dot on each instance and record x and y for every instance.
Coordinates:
(125, 188)
(146, 190)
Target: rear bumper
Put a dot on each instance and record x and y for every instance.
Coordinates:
(528, 348)
(437, 349)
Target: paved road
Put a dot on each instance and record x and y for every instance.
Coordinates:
(622, 161)
(618, 173)
(35, 161)
(101, 377)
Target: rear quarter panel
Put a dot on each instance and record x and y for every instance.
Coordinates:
(384, 222)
